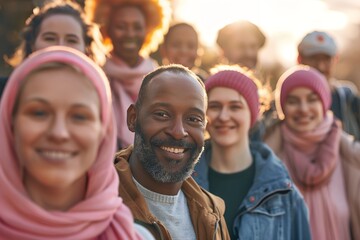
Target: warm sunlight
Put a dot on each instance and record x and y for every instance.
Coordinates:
(284, 22)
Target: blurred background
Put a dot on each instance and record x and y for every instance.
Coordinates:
(284, 22)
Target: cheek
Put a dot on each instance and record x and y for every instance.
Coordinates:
(89, 137)
(24, 134)
(288, 110)
(25, 138)
(81, 47)
(40, 44)
(198, 136)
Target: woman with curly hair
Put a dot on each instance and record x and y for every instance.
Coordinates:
(131, 30)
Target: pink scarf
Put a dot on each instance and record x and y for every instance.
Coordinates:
(125, 84)
(102, 214)
(313, 154)
(313, 162)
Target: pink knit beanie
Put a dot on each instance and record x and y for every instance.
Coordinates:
(241, 83)
(302, 76)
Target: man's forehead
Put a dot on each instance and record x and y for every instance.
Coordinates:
(172, 80)
(175, 85)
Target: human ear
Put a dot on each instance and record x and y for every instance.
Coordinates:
(131, 117)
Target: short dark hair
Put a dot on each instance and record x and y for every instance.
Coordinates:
(176, 25)
(174, 68)
(239, 26)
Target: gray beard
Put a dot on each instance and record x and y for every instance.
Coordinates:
(152, 166)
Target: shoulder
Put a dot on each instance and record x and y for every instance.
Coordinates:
(348, 86)
(270, 170)
(273, 136)
(122, 158)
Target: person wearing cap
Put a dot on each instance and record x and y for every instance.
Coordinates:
(261, 200)
(323, 160)
(319, 50)
(131, 30)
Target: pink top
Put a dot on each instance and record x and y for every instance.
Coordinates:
(102, 214)
(125, 84)
(314, 164)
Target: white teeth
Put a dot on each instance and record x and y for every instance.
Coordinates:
(173, 150)
(56, 155)
(130, 45)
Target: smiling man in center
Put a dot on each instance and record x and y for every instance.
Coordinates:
(169, 122)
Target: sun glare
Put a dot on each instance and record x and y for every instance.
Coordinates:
(283, 21)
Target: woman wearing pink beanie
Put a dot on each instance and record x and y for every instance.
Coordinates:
(319, 155)
(261, 200)
(58, 140)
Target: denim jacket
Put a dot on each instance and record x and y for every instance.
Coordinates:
(273, 208)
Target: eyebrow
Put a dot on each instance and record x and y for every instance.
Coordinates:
(53, 33)
(41, 100)
(309, 94)
(167, 105)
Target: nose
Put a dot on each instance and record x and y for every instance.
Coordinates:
(177, 129)
(58, 130)
(322, 66)
(131, 32)
(224, 114)
(61, 42)
(304, 106)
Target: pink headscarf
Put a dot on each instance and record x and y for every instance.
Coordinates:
(102, 214)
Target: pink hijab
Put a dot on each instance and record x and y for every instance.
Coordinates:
(102, 214)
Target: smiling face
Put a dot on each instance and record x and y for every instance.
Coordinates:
(127, 31)
(242, 48)
(229, 117)
(62, 30)
(169, 126)
(322, 62)
(57, 128)
(303, 110)
(181, 46)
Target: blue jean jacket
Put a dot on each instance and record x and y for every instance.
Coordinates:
(273, 208)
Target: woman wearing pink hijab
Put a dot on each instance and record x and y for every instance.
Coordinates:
(58, 139)
(322, 159)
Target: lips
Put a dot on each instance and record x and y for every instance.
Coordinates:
(173, 149)
(303, 120)
(130, 45)
(56, 155)
(173, 153)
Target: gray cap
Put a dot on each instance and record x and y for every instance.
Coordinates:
(317, 42)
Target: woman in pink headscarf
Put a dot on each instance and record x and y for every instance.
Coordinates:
(58, 139)
(322, 159)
